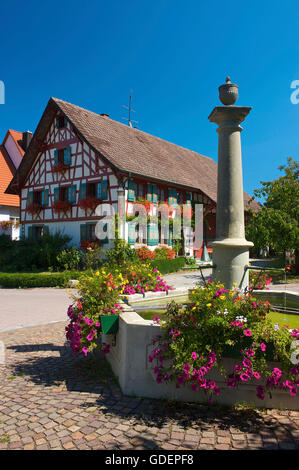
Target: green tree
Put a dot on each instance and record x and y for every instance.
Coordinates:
(276, 224)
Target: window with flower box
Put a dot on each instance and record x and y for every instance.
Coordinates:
(64, 198)
(62, 159)
(37, 200)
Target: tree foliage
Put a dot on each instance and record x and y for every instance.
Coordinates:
(277, 223)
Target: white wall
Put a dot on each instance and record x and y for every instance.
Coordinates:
(13, 151)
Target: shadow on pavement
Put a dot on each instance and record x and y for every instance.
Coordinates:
(93, 375)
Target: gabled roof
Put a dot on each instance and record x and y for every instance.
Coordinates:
(17, 137)
(127, 150)
(7, 171)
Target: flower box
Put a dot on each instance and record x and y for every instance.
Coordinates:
(34, 208)
(60, 168)
(61, 206)
(109, 324)
(89, 203)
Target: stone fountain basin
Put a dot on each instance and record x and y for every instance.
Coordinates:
(128, 357)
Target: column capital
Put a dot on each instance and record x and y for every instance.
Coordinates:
(229, 114)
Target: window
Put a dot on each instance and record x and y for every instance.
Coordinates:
(60, 122)
(35, 232)
(140, 190)
(91, 232)
(92, 189)
(161, 195)
(63, 156)
(66, 193)
(37, 197)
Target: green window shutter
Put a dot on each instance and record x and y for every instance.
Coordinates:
(30, 232)
(155, 193)
(83, 232)
(45, 198)
(131, 234)
(72, 194)
(149, 195)
(46, 230)
(170, 236)
(131, 191)
(175, 197)
(99, 190)
(29, 198)
(105, 240)
(188, 199)
(104, 190)
(152, 235)
(56, 194)
(67, 155)
(56, 157)
(83, 191)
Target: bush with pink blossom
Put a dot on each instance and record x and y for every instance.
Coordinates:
(218, 323)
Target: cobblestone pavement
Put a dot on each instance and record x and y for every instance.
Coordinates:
(49, 400)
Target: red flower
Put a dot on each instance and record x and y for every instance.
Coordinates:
(61, 206)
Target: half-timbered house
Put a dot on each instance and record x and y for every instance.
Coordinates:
(78, 159)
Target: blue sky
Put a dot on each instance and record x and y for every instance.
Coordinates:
(174, 55)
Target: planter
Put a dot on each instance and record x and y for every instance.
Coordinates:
(109, 324)
(128, 358)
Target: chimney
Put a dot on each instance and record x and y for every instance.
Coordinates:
(105, 115)
(27, 136)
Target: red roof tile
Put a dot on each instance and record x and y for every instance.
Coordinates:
(7, 171)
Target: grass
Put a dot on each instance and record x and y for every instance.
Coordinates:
(283, 319)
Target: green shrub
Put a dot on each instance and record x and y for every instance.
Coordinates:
(121, 253)
(69, 259)
(31, 255)
(167, 266)
(29, 280)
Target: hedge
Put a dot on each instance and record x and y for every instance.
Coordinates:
(166, 266)
(23, 280)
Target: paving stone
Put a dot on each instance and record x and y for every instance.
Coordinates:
(54, 406)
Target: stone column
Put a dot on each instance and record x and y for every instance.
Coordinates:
(230, 248)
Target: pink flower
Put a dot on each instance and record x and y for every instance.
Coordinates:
(156, 319)
(257, 375)
(194, 356)
(85, 350)
(247, 332)
(263, 347)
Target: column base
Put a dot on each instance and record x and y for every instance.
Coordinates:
(230, 256)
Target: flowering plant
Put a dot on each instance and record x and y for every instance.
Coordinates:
(160, 253)
(97, 295)
(140, 278)
(61, 206)
(259, 280)
(34, 208)
(144, 253)
(5, 224)
(147, 204)
(219, 323)
(60, 167)
(89, 203)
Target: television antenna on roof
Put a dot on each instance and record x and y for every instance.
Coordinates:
(129, 108)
